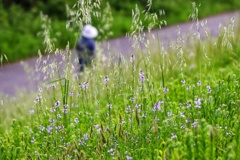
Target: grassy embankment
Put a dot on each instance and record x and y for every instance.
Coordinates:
(178, 103)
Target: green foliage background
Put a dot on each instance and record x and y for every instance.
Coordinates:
(20, 21)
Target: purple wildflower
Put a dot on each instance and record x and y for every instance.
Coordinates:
(76, 120)
(157, 106)
(85, 137)
(209, 89)
(183, 82)
(106, 79)
(49, 129)
(165, 90)
(57, 104)
(132, 58)
(141, 76)
(199, 83)
(31, 111)
(197, 103)
(128, 157)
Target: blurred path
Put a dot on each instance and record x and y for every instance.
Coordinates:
(13, 76)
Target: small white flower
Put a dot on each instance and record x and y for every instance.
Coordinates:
(98, 130)
(169, 114)
(128, 157)
(84, 85)
(85, 137)
(137, 106)
(40, 89)
(165, 90)
(233, 102)
(59, 116)
(197, 103)
(52, 109)
(194, 125)
(109, 105)
(110, 150)
(38, 98)
(182, 114)
(76, 120)
(128, 109)
(191, 54)
(132, 58)
(188, 88)
(75, 150)
(189, 105)
(52, 121)
(228, 133)
(183, 82)
(49, 129)
(96, 126)
(132, 99)
(209, 89)
(41, 128)
(141, 76)
(82, 143)
(173, 136)
(106, 79)
(33, 140)
(157, 106)
(31, 111)
(183, 126)
(57, 104)
(199, 83)
(58, 129)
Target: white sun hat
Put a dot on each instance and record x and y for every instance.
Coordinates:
(89, 31)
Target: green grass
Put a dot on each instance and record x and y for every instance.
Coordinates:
(178, 103)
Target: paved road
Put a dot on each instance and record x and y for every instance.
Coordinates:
(13, 76)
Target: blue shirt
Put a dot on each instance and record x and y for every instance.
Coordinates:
(86, 45)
